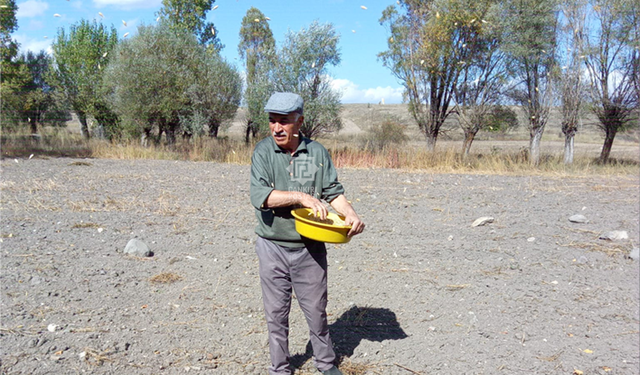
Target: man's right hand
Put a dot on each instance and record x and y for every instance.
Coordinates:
(279, 198)
(316, 205)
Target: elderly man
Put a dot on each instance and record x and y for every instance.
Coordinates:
(290, 171)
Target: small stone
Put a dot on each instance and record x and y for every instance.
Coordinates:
(450, 238)
(137, 248)
(531, 239)
(52, 327)
(578, 219)
(635, 253)
(615, 235)
(83, 355)
(482, 221)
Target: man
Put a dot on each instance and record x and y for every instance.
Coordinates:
(290, 171)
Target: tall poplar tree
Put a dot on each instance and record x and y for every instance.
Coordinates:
(257, 48)
(191, 16)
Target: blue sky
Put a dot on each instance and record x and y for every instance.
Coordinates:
(360, 76)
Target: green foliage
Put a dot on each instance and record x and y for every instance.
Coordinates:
(80, 57)
(214, 96)
(388, 132)
(27, 98)
(501, 119)
(165, 78)
(302, 67)
(257, 47)
(12, 74)
(191, 16)
(531, 27)
(8, 24)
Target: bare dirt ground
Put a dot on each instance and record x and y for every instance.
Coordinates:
(421, 291)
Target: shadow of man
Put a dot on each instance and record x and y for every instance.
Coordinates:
(356, 324)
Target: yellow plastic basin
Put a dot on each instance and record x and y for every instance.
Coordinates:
(322, 232)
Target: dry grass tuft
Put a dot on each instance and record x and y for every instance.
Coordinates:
(165, 278)
(610, 249)
(81, 164)
(85, 225)
(353, 368)
(95, 357)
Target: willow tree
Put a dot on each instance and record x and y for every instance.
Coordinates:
(483, 75)
(426, 51)
(80, 57)
(531, 45)
(609, 48)
(570, 76)
(165, 78)
(303, 67)
(257, 48)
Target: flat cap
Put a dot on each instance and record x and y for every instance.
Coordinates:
(284, 103)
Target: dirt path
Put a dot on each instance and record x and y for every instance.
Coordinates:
(420, 292)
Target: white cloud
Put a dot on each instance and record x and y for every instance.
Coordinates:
(128, 4)
(33, 45)
(31, 8)
(352, 93)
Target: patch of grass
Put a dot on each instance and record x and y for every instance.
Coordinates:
(165, 278)
(499, 157)
(52, 142)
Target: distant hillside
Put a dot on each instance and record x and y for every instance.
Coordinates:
(356, 118)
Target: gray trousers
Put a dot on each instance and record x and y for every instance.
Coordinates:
(282, 270)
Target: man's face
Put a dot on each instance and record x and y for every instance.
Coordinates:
(284, 129)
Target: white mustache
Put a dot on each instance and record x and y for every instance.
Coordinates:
(283, 133)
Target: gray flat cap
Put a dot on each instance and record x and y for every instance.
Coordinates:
(284, 103)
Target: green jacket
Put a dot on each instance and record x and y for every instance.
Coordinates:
(309, 170)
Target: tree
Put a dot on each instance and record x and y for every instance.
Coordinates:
(302, 67)
(8, 24)
(40, 104)
(79, 59)
(191, 16)
(12, 73)
(531, 26)
(163, 77)
(609, 53)
(483, 76)
(426, 51)
(215, 95)
(257, 48)
(570, 85)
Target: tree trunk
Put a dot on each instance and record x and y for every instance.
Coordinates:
(431, 141)
(534, 146)
(84, 129)
(568, 148)
(610, 134)
(34, 125)
(144, 137)
(170, 132)
(213, 129)
(469, 136)
(248, 131)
